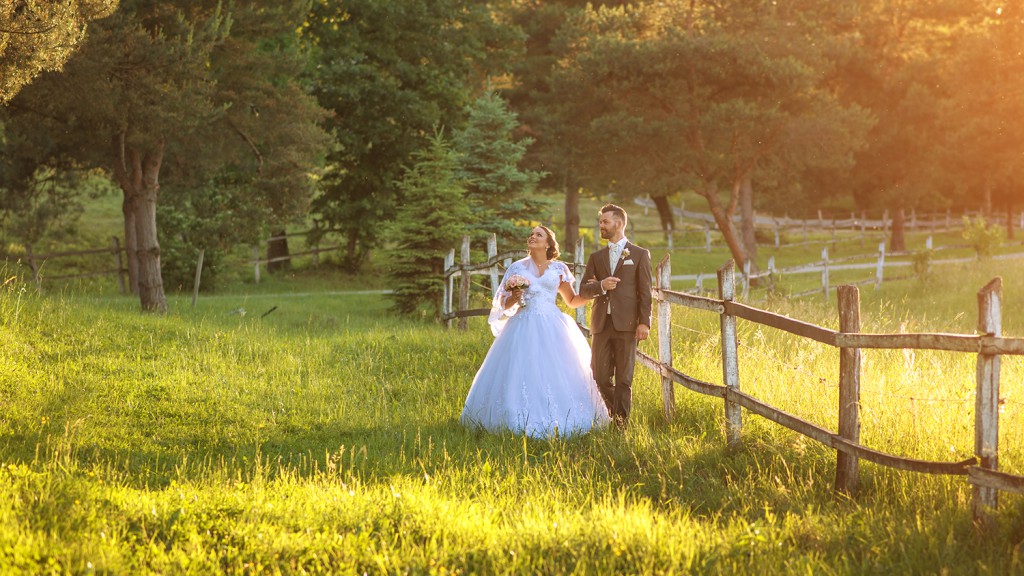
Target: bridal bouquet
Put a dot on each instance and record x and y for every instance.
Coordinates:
(517, 282)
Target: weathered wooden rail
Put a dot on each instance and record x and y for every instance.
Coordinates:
(35, 262)
(981, 470)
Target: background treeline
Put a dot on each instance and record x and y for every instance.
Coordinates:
(403, 124)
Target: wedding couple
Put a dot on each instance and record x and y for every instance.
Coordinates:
(540, 376)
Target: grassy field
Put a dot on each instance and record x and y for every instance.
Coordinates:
(324, 438)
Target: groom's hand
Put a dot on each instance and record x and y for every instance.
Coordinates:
(642, 332)
(609, 283)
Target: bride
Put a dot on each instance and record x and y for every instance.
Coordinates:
(536, 378)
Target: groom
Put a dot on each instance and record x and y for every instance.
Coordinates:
(619, 277)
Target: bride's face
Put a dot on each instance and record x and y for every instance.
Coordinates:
(537, 239)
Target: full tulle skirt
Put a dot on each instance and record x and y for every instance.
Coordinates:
(536, 379)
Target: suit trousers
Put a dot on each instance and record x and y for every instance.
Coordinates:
(613, 358)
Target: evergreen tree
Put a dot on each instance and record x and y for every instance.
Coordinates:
(432, 220)
(40, 36)
(497, 189)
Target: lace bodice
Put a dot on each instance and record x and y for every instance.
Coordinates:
(540, 297)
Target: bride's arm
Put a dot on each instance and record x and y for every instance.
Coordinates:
(572, 299)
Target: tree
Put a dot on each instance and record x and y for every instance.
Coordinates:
(548, 109)
(497, 189)
(432, 219)
(985, 87)
(390, 71)
(895, 70)
(179, 93)
(674, 99)
(41, 36)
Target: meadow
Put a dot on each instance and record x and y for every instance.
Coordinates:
(324, 438)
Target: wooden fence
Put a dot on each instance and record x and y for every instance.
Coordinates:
(35, 262)
(982, 470)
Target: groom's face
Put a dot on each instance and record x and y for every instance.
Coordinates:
(610, 225)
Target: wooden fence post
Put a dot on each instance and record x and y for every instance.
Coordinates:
(707, 239)
(581, 312)
(668, 396)
(746, 279)
(256, 262)
(986, 400)
(777, 233)
(824, 272)
(449, 286)
(849, 389)
(880, 266)
(492, 253)
(464, 283)
(730, 355)
(199, 275)
(119, 264)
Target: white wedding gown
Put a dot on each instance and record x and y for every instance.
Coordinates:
(536, 378)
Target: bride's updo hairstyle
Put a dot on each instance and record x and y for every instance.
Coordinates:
(553, 251)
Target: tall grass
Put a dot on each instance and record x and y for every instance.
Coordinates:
(323, 437)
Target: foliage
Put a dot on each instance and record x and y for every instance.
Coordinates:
(390, 71)
(500, 192)
(429, 223)
(41, 36)
(163, 96)
(982, 237)
(921, 264)
(670, 99)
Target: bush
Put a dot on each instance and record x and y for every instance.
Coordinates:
(982, 237)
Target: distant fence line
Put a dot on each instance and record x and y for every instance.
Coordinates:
(825, 265)
(935, 221)
(981, 470)
(35, 261)
(865, 227)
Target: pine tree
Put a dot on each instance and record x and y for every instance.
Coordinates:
(430, 222)
(499, 191)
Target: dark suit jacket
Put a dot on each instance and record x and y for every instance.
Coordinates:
(631, 299)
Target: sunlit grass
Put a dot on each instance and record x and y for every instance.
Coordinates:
(323, 437)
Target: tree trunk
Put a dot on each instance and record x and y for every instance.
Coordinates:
(898, 240)
(131, 243)
(1009, 219)
(986, 207)
(723, 217)
(746, 191)
(668, 221)
(352, 252)
(572, 218)
(138, 175)
(151, 283)
(277, 247)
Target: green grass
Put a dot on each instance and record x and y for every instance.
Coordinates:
(324, 438)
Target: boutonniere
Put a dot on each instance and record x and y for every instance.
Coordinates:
(625, 252)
